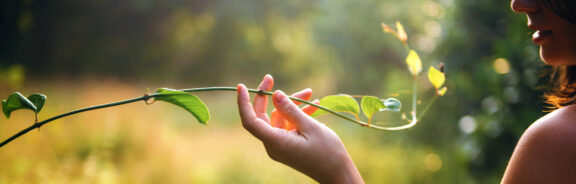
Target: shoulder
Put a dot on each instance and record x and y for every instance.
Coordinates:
(558, 127)
(553, 135)
(546, 152)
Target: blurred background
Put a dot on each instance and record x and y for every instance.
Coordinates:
(83, 53)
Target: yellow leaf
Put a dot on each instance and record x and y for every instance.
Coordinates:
(414, 63)
(401, 33)
(436, 77)
(387, 29)
(442, 92)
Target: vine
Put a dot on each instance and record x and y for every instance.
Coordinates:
(334, 104)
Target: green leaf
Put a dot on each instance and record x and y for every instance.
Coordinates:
(414, 63)
(338, 103)
(16, 101)
(392, 104)
(371, 105)
(436, 77)
(189, 102)
(38, 100)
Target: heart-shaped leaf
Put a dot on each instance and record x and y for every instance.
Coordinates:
(17, 101)
(436, 77)
(371, 105)
(188, 102)
(338, 103)
(392, 104)
(38, 100)
(414, 63)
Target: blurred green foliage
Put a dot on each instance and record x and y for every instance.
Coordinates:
(494, 80)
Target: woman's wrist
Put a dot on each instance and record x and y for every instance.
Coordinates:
(350, 173)
(344, 171)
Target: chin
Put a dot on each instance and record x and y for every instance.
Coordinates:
(548, 58)
(555, 57)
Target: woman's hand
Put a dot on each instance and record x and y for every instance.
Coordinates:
(294, 138)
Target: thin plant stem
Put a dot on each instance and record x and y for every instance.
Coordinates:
(39, 124)
(340, 115)
(428, 106)
(146, 97)
(414, 119)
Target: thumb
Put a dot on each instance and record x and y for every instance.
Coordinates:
(258, 127)
(292, 112)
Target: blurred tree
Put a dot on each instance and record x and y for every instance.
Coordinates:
(16, 20)
(337, 46)
(496, 80)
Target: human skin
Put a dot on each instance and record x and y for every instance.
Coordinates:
(555, 35)
(311, 147)
(546, 152)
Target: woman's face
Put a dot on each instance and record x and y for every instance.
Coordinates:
(555, 35)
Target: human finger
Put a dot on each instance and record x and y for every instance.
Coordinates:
(257, 127)
(261, 101)
(308, 109)
(276, 120)
(305, 94)
(291, 112)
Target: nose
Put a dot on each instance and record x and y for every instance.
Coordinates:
(525, 6)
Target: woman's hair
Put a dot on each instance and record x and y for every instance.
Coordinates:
(563, 92)
(564, 8)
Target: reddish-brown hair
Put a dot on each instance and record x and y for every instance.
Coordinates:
(563, 91)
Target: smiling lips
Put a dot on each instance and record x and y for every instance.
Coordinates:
(539, 36)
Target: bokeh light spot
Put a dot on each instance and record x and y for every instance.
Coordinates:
(512, 95)
(433, 162)
(433, 9)
(491, 104)
(424, 43)
(501, 66)
(433, 29)
(467, 124)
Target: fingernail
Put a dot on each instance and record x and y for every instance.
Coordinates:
(279, 96)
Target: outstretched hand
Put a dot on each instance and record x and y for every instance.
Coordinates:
(294, 138)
